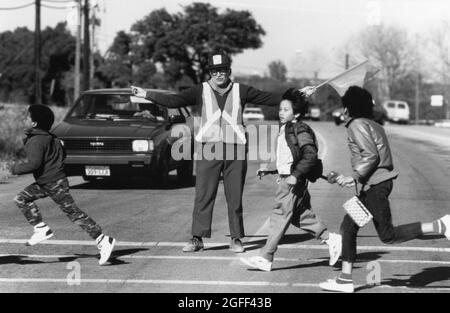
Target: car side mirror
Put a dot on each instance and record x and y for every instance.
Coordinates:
(177, 119)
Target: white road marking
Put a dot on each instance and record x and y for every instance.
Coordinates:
(224, 244)
(149, 281)
(201, 282)
(215, 258)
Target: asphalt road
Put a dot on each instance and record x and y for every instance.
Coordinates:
(152, 225)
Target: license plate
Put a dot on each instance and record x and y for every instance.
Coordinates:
(98, 171)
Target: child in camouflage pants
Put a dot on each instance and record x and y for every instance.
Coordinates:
(59, 192)
(45, 159)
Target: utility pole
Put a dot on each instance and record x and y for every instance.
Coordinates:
(93, 48)
(37, 54)
(94, 23)
(417, 96)
(77, 53)
(347, 61)
(86, 46)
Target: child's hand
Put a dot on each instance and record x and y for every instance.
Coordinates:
(345, 181)
(291, 180)
(138, 92)
(261, 172)
(308, 90)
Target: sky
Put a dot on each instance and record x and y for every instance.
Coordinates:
(305, 35)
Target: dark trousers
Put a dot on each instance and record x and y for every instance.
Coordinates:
(59, 192)
(376, 199)
(207, 181)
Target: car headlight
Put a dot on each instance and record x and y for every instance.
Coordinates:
(143, 145)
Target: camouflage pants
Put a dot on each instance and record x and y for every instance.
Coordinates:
(59, 192)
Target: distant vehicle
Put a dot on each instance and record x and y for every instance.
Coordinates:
(111, 133)
(397, 111)
(338, 116)
(379, 115)
(314, 113)
(252, 114)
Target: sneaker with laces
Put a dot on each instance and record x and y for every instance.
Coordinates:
(334, 243)
(236, 245)
(106, 245)
(446, 221)
(258, 262)
(334, 285)
(194, 245)
(41, 232)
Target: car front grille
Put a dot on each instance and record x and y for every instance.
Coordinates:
(98, 145)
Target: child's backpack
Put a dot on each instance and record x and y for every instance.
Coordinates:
(317, 171)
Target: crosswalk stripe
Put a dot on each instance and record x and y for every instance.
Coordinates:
(225, 244)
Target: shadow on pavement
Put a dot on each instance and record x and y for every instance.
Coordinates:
(420, 280)
(114, 259)
(121, 183)
(24, 260)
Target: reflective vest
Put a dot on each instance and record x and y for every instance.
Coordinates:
(221, 126)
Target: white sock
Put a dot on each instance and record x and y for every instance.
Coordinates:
(40, 225)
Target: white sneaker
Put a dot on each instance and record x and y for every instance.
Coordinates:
(106, 245)
(334, 243)
(332, 285)
(446, 221)
(258, 262)
(40, 234)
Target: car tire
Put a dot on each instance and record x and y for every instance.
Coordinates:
(185, 172)
(161, 177)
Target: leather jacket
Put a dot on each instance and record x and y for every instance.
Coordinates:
(371, 156)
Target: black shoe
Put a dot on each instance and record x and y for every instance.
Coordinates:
(194, 245)
(236, 245)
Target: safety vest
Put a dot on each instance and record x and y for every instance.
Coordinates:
(221, 126)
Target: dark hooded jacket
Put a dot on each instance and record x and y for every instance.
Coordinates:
(45, 157)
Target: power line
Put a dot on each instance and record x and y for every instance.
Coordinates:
(18, 7)
(54, 7)
(60, 1)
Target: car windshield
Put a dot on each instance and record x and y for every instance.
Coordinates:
(117, 107)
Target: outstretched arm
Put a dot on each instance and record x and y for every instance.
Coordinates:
(173, 100)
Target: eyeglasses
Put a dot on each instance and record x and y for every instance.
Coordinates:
(218, 71)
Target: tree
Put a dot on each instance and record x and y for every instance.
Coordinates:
(16, 64)
(439, 60)
(389, 48)
(277, 70)
(180, 43)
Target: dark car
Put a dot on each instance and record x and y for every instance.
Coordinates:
(379, 115)
(111, 133)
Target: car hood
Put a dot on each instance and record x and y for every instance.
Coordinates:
(122, 129)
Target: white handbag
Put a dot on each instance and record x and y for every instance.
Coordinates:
(357, 211)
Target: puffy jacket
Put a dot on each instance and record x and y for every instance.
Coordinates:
(45, 157)
(371, 155)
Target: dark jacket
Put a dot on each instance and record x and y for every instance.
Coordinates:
(45, 157)
(303, 145)
(302, 142)
(371, 155)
